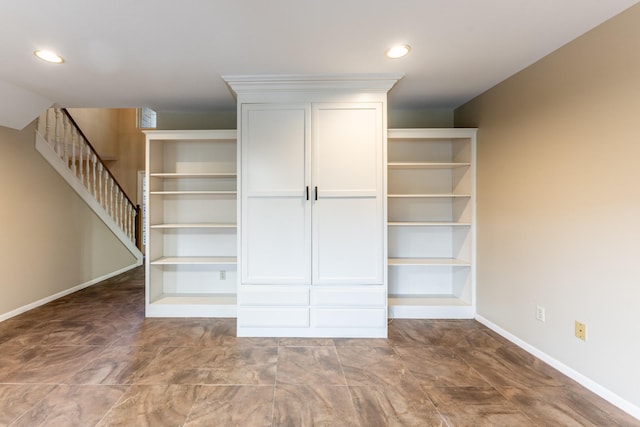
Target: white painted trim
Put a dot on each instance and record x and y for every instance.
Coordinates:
(587, 382)
(222, 134)
(250, 84)
(419, 133)
(61, 294)
(47, 152)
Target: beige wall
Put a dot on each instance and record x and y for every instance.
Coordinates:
(100, 126)
(130, 152)
(420, 118)
(225, 119)
(51, 240)
(397, 118)
(559, 203)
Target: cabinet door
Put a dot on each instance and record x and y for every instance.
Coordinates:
(276, 216)
(348, 213)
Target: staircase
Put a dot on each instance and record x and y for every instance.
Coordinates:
(65, 147)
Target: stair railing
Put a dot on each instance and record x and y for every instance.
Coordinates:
(66, 139)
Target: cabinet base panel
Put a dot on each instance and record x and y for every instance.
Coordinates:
(429, 307)
(313, 333)
(185, 305)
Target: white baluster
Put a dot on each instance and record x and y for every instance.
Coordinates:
(74, 137)
(132, 223)
(100, 195)
(87, 157)
(111, 197)
(119, 212)
(47, 134)
(128, 219)
(80, 155)
(65, 151)
(116, 211)
(56, 147)
(123, 212)
(94, 160)
(105, 182)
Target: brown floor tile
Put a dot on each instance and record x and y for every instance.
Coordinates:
(22, 332)
(449, 333)
(477, 407)
(71, 405)
(155, 405)
(309, 365)
(116, 365)
(567, 406)
(92, 356)
(152, 332)
(215, 365)
(373, 366)
(16, 399)
(232, 406)
(394, 406)
(45, 364)
(79, 332)
(439, 367)
(305, 342)
(362, 342)
(510, 366)
(313, 405)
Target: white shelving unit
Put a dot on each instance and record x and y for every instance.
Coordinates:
(431, 223)
(191, 223)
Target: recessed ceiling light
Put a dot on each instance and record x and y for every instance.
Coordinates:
(398, 51)
(47, 55)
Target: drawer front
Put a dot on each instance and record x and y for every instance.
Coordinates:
(352, 296)
(273, 317)
(265, 295)
(348, 318)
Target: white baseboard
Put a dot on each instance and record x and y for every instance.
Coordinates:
(53, 297)
(587, 382)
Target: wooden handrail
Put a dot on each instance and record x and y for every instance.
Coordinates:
(75, 124)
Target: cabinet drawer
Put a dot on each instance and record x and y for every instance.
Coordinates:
(266, 295)
(349, 296)
(273, 317)
(348, 318)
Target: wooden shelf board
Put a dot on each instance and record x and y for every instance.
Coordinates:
(426, 165)
(194, 175)
(195, 261)
(426, 300)
(203, 192)
(433, 196)
(200, 225)
(429, 261)
(196, 299)
(428, 224)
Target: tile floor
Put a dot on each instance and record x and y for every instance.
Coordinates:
(92, 359)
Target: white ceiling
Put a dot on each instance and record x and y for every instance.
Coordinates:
(169, 55)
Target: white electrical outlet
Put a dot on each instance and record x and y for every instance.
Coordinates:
(540, 313)
(223, 275)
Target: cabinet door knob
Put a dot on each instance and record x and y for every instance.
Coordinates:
(307, 192)
(316, 191)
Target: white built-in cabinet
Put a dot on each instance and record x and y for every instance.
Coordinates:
(312, 219)
(312, 206)
(191, 203)
(431, 223)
